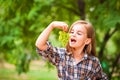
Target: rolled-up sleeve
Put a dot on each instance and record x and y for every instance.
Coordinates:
(51, 53)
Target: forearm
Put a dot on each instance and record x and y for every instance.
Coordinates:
(43, 37)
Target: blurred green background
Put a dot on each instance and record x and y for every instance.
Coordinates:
(21, 22)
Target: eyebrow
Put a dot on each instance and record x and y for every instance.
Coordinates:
(81, 32)
(77, 31)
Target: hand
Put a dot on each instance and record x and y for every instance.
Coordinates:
(59, 25)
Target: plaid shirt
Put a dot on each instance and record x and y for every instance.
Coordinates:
(88, 68)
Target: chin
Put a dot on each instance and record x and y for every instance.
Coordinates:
(72, 46)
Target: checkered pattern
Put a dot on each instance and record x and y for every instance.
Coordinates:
(88, 68)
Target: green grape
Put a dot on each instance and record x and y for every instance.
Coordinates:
(63, 37)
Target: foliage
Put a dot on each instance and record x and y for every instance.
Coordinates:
(21, 21)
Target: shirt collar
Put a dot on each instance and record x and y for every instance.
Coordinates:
(86, 56)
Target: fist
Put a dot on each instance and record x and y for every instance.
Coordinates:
(59, 25)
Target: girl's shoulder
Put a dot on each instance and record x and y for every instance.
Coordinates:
(95, 62)
(94, 59)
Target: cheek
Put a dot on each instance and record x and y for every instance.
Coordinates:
(81, 40)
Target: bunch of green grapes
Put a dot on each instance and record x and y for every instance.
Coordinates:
(63, 37)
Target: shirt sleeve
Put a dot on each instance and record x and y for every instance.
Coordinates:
(100, 75)
(52, 54)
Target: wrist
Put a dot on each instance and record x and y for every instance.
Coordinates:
(51, 25)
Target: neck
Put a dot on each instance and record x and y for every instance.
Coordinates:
(78, 54)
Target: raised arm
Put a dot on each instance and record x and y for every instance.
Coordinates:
(43, 37)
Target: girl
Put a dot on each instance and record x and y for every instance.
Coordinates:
(77, 61)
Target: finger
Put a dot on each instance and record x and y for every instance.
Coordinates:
(65, 27)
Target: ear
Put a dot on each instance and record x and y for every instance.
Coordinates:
(88, 41)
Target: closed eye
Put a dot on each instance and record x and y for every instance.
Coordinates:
(79, 33)
(72, 32)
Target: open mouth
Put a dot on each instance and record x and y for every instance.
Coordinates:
(73, 40)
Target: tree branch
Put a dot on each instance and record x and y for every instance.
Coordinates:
(81, 7)
(71, 9)
(107, 36)
(80, 11)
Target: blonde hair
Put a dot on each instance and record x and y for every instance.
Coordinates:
(90, 48)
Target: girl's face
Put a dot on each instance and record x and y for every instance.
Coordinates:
(78, 36)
